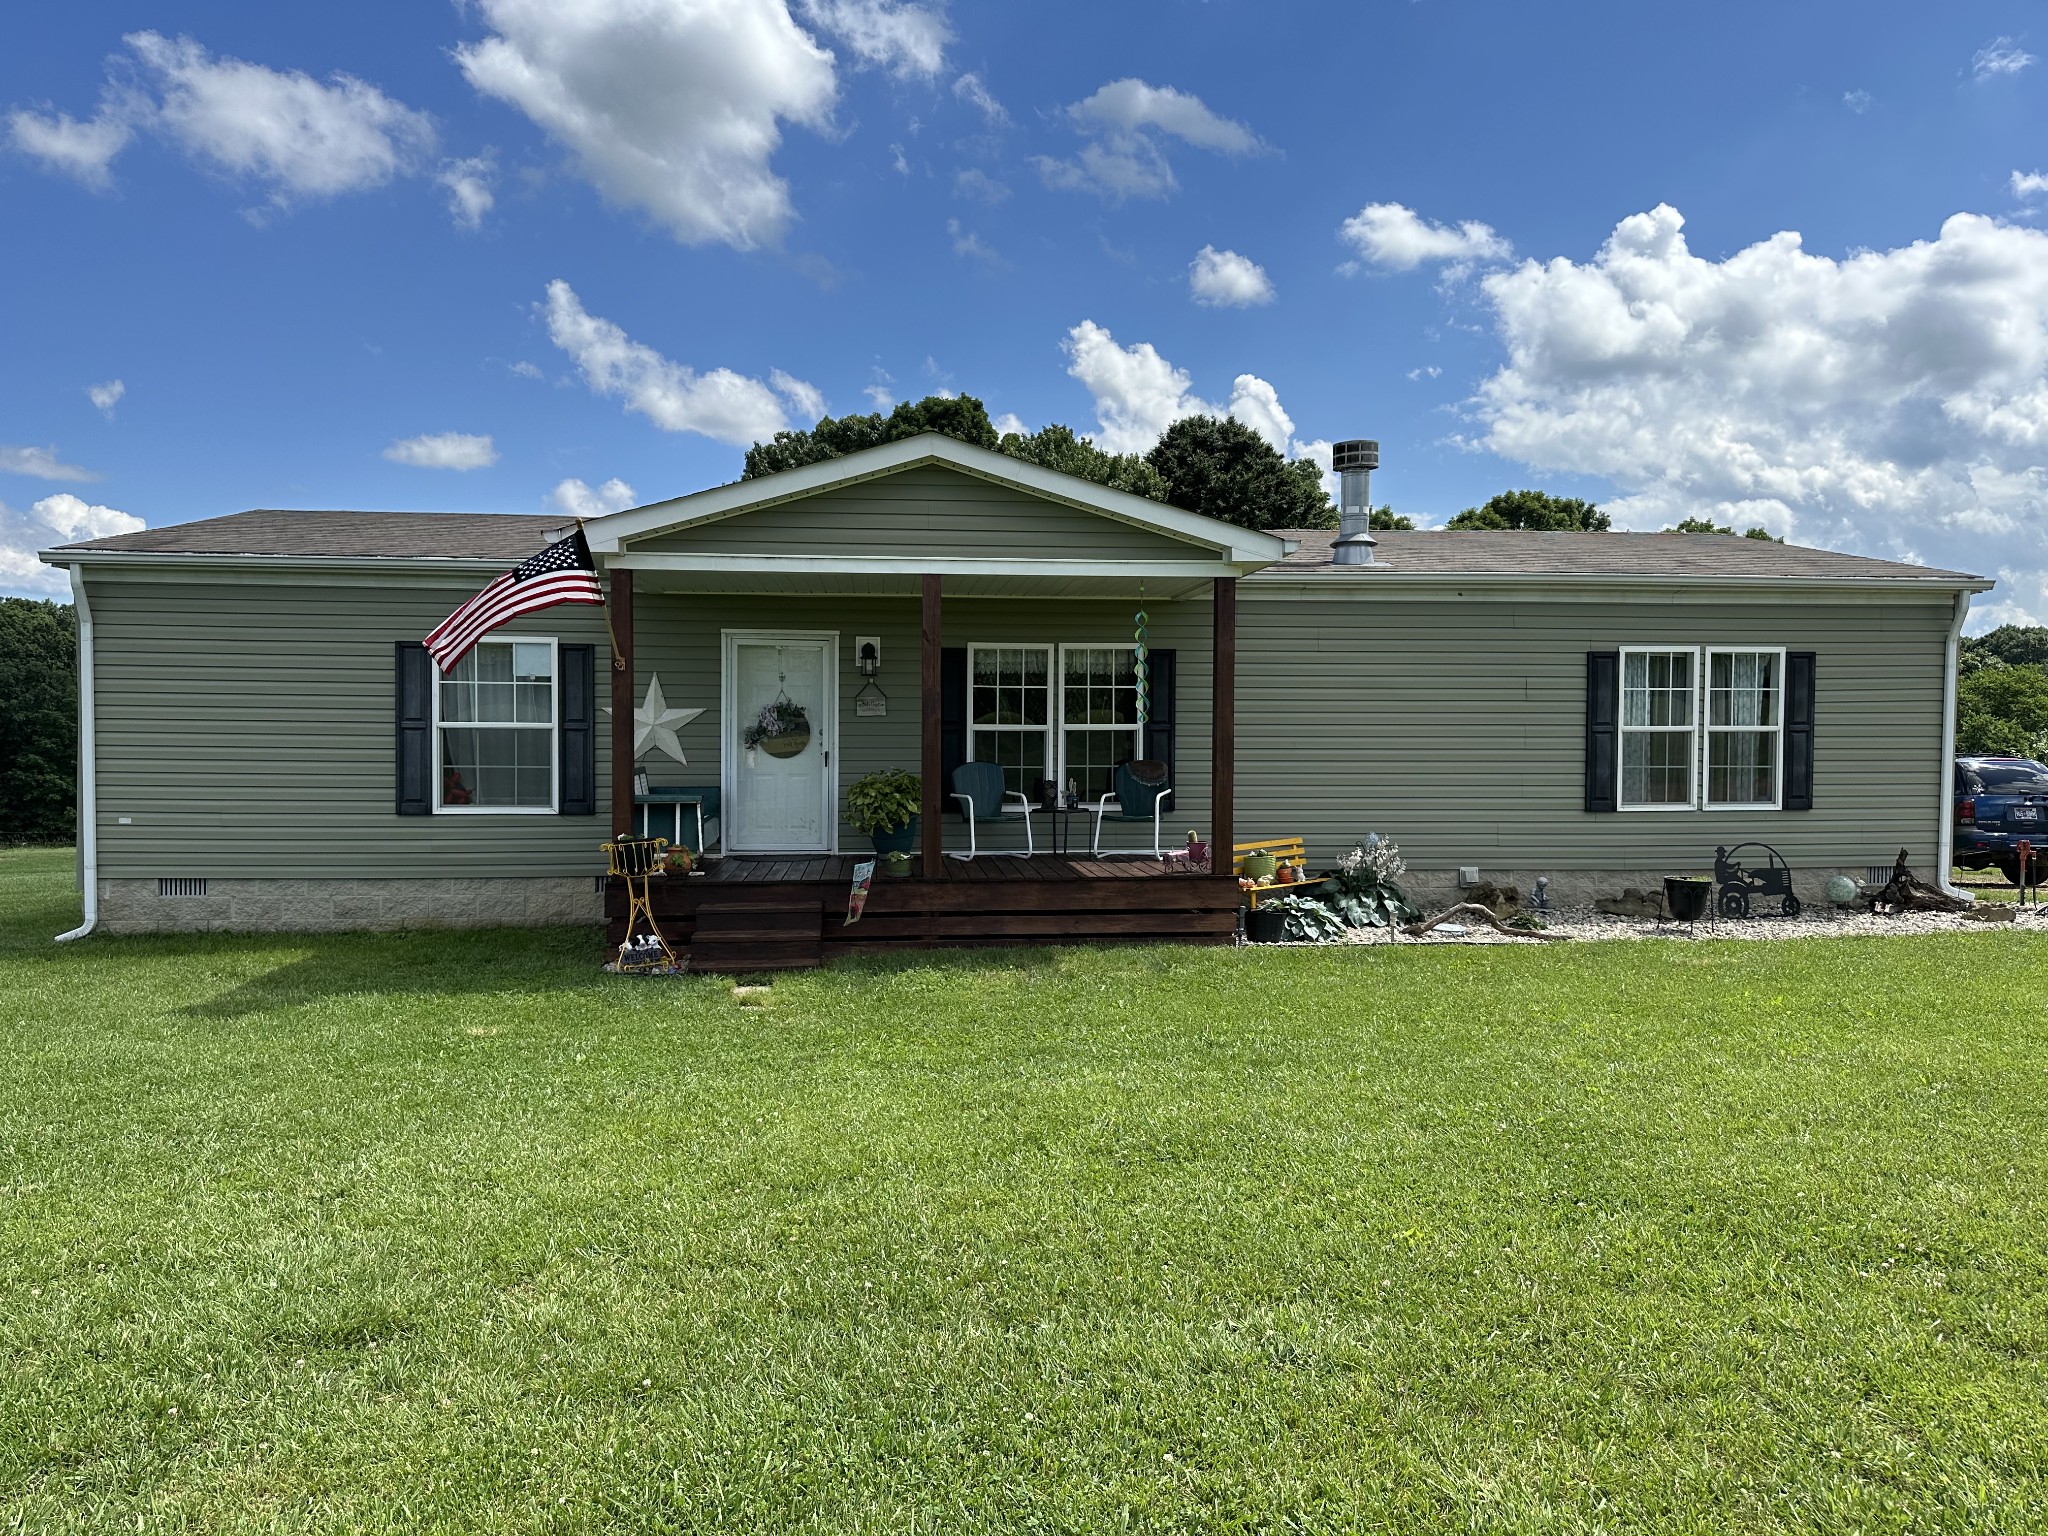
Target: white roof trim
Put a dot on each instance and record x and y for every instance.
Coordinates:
(1240, 546)
(932, 565)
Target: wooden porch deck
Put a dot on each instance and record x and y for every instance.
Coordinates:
(750, 914)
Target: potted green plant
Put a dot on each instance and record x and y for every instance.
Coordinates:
(885, 805)
(782, 729)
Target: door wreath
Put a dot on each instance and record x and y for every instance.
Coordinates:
(782, 729)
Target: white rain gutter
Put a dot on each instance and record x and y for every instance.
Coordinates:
(1945, 839)
(88, 776)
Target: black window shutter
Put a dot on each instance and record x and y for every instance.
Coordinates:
(1799, 730)
(579, 730)
(414, 711)
(1160, 726)
(952, 718)
(1603, 713)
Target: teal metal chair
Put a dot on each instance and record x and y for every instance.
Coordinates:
(1143, 787)
(982, 796)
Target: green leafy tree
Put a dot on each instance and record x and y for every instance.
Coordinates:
(1708, 525)
(2002, 711)
(1221, 468)
(1536, 511)
(38, 721)
(1056, 447)
(1384, 520)
(2011, 645)
(958, 416)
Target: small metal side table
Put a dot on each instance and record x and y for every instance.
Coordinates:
(1062, 813)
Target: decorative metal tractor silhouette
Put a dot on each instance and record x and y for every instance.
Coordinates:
(1739, 882)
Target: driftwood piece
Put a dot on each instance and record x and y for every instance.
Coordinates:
(1907, 892)
(1477, 914)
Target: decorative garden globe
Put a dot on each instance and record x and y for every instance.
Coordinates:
(1841, 890)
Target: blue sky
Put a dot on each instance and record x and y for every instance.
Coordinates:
(1519, 245)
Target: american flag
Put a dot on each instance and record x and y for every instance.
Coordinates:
(561, 573)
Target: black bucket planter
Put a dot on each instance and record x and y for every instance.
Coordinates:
(1262, 925)
(1685, 901)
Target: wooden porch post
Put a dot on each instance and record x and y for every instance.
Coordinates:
(934, 856)
(620, 603)
(1223, 725)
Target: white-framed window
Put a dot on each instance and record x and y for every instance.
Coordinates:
(1659, 728)
(496, 717)
(1054, 712)
(1009, 711)
(1098, 716)
(1745, 719)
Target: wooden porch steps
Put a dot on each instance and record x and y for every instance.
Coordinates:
(784, 934)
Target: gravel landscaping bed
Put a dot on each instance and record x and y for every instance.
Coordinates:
(1583, 924)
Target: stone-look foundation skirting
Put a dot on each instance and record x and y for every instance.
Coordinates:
(330, 906)
(1578, 889)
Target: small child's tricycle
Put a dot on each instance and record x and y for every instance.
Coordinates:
(1739, 882)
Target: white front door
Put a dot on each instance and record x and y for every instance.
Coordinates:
(781, 794)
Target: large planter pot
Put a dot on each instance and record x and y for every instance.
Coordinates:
(1260, 866)
(1686, 900)
(1264, 925)
(901, 840)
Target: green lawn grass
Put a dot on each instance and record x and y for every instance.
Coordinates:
(453, 1233)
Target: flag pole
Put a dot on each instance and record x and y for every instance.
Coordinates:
(618, 656)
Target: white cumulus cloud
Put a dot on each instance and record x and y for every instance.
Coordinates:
(580, 500)
(279, 129)
(468, 184)
(1139, 394)
(84, 151)
(283, 129)
(59, 519)
(1224, 279)
(1893, 403)
(444, 450)
(106, 396)
(723, 405)
(41, 463)
(1124, 122)
(673, 107)
(1398, 239)
(2028, 185)
(908, 40)
(2000, 56)
(807, 400)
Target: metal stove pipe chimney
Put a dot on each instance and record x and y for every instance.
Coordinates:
(1354, 463)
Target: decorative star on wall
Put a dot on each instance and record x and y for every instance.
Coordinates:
(655, 724)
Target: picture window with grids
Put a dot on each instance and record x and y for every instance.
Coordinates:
(496, 715)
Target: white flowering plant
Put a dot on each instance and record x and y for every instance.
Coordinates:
(1362, 892)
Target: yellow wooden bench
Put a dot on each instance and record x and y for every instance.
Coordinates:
(1284, 849)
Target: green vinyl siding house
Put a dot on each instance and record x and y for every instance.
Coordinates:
(266, 744)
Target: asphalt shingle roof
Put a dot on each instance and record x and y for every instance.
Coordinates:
(508, 536)
(1440, 552)
(511, 537)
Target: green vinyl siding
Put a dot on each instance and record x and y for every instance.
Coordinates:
(245, 729)
(925, 511)
(1457, 727)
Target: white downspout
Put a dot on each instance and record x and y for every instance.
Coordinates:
(88, 776)
(1945, 840)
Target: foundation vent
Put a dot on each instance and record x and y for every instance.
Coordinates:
(181, 885)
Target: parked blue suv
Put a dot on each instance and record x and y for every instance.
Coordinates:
(1999, 801)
